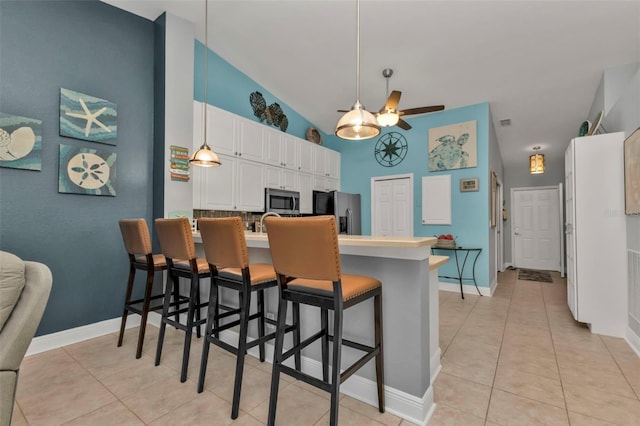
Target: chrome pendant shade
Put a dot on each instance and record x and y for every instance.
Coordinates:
(205, 157)
(358, 123)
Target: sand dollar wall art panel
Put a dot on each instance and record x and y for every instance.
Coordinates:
(20, 142)
(87, 117)
(453, 146)
(87, 171)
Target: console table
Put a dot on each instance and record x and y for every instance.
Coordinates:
(460, 267)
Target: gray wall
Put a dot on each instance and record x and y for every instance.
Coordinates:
(519, 177)
(93, 48)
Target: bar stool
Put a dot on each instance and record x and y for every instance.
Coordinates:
(306, 258)
(226, 251)
(137, 242)
(176, 241)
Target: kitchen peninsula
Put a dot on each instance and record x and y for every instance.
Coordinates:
(410, 352)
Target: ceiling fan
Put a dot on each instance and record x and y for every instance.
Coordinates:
(389, 114)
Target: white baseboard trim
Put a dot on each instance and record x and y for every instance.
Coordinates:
(633, 340)
(466, 288)
(506, 266)
(409, 407)
(435, 366)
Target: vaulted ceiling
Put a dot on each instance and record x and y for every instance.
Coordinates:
(537, 63)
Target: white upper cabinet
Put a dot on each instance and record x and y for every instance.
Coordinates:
(305, 156)
(236, 185)
(272, 149)
(250, 140)
(305, 186)
(254, 157)
(326, 162)
(221, 130)
(289, 151)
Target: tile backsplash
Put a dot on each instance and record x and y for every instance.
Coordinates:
(248, 218)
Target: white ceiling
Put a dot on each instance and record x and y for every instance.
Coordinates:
(537, 63)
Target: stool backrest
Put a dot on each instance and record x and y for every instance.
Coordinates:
(176, 238)
(135, 235)
(305, 247)
(224, 243)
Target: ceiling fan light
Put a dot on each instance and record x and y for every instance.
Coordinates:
(205, 157)
(388, 118)
(357, 124)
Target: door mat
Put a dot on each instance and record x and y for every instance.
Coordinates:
(533, 275)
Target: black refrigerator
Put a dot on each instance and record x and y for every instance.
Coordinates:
(344, 206)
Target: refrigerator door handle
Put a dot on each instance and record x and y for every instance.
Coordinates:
(349, 221)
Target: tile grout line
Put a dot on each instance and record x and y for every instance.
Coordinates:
(555, 356)
(101, 384)
(506, 320)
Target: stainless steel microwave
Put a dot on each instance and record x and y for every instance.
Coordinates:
(281, 201)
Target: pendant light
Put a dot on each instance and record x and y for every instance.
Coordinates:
(358, 123)
(205, 157)
(536, 162)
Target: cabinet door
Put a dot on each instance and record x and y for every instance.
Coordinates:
(305, 183)
(251, 140)
(272, 148)
(250, 191)
(305, 156)
(272, 177)
(219, 185)
(221, 130)
(289, 179)
(289, 152)
(319, 167)
(332, 163)
(320, 183)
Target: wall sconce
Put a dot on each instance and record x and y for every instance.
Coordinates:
(536, 162)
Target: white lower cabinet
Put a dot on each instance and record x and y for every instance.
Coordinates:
(235, 185)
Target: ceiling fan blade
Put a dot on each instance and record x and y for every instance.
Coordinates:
(403, 124)
(392, 101)
(421, 110)
(343, 110)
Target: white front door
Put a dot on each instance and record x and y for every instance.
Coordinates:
(536, 228)
(392, 205)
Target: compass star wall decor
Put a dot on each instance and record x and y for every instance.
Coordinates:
(390, 149)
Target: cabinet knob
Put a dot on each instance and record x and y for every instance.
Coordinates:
(239, 154)
(235, 153)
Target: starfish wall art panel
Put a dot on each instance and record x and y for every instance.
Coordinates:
(20, 142)
(87, 171)
(87, 117)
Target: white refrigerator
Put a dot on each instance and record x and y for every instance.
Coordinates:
(595, 232)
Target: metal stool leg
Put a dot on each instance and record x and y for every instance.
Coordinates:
(127, 300)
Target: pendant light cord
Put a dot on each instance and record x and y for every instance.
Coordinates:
(206, 77)
(358, 52)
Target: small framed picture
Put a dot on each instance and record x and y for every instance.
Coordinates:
(469, 185)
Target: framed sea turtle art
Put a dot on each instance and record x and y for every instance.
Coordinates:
(453, 147)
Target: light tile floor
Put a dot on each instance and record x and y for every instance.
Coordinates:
(517, 358)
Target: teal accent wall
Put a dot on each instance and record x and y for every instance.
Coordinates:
(229, 89)
(470, 210)
(100, 50)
